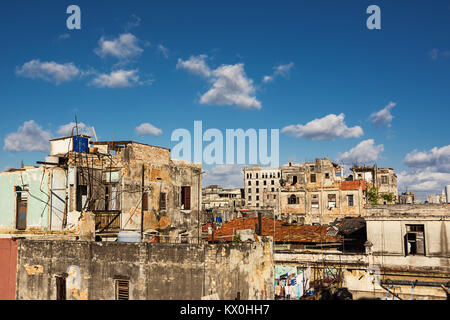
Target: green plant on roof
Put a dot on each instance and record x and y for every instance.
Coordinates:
(237, 238)
(389, 197)
(372, 195)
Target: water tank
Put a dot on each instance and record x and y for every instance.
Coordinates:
(447, 193)
(129, 236)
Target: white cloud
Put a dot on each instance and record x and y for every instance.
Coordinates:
(437, 159)
(383, 116)
(29, 137)
(163, 50)
(326, 128)
(117, 79)
(195, 65)
(69, 129)
(365, 152)
(424, 180)
(230, 85)
(430, 170)
(227, 176)
(48, 71)
(280, 70)
(124, 47)
(148, 129)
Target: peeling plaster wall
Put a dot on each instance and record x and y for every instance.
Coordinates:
(155, 271)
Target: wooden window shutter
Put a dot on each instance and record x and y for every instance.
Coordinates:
(187, 198)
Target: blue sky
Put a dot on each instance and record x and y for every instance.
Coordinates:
(157, 62)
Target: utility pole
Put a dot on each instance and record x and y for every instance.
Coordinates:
(142, 204)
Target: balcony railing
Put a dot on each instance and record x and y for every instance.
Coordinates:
(107, 220)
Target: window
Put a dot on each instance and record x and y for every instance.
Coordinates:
(122, 289)
(278, 174)
(292, 199)
(272, 182)
(273, 189)
(315, 201)
(384, 180)
(265, 182)
(81, 197)
(327, 175)
(311, 168)
(61, 287)
(350, 200)
(186, 198)
(21, 207)
(331, 201)
(249, 198)
(256, 175)
(257, 190)
(257, 198)
(274, 197)
(249, 190)
(294, 180)
(414, 239)
(249, 183)
(145, 201)
(162, 201)
(313, 178)
(257, 183)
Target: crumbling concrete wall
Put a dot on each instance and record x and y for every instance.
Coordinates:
(154, 270)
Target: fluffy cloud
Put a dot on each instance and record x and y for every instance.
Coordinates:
(230, 84)
(69, 129)
(48, 71)
(423, 181)
(383, 116)
(195, 65)
(430, 170)
(29, 137)
(148, 129)
(117, 79)
(227, 176)
(280, 70)
(326, 128)
(124, 47)
(364, 153)
(437, 159)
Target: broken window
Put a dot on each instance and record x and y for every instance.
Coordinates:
(249, 198)
(61, 287)
(81, 197)
(313, 178)
(249, 190)
(122, 289)
(21, 207)
(294, 180)
(292, 199)
(350, 200)
(414, 239)
(311, 168)
(327, 175)
(162, 201)
(249, 183)
(331, 201)
(186, 198)
(384, 180)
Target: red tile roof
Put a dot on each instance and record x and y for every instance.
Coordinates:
(283, 233)
(353, 185)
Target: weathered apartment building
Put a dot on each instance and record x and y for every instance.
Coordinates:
(316, 192)
(214, 196)
(87, 188)
(396, 252)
